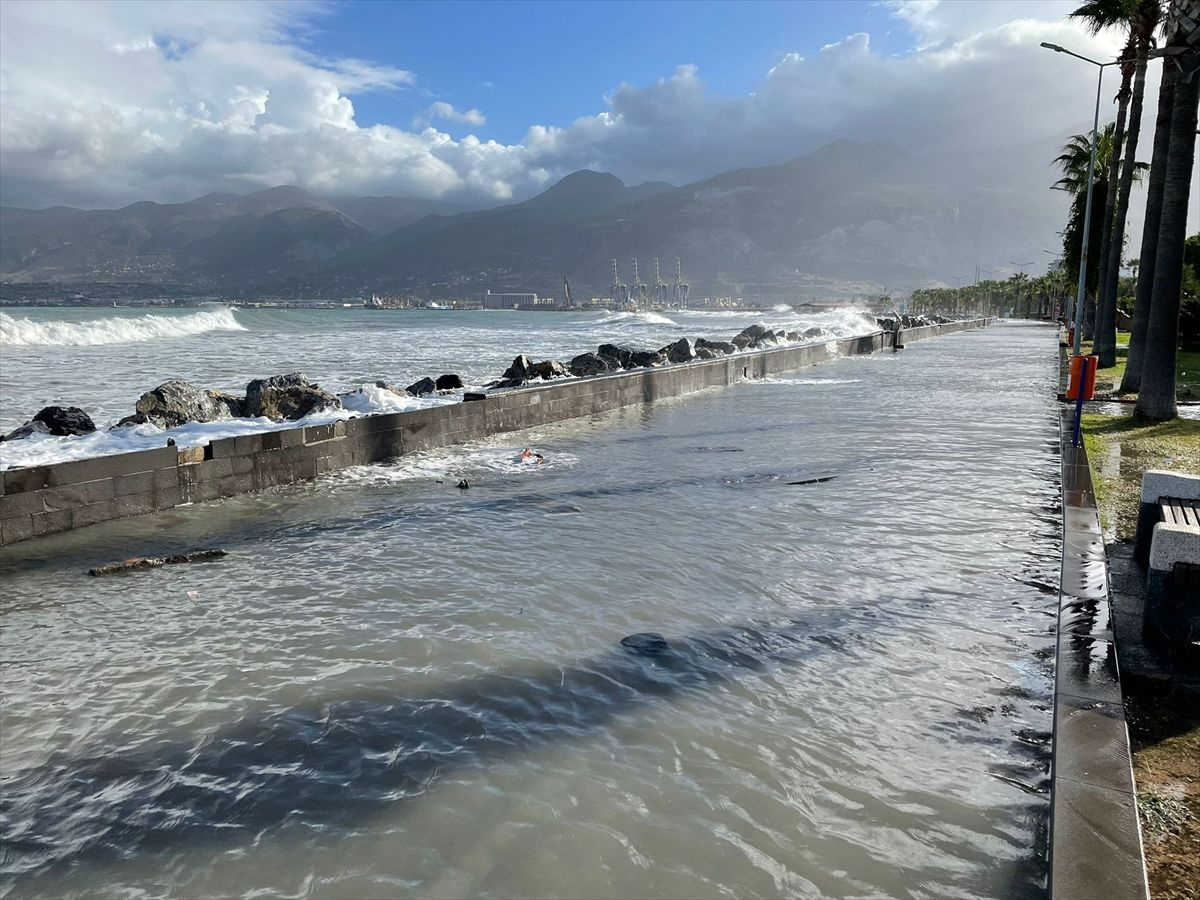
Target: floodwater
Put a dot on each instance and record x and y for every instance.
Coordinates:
(395, 688)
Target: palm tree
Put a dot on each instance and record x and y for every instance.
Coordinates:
(1141, 23)
(1156, 399)
(1132, 378)
(1074, 161)
(1097, 15)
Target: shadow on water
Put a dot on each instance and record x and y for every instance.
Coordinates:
(330, 764)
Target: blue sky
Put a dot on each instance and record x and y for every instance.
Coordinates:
(555, 61)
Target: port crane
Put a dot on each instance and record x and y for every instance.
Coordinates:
(620, 292)
(639, 293)
(660, 286)
(681, 289)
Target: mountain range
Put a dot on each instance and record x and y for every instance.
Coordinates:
(848, 218)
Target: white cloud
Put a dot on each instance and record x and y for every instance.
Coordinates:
(443, 110)
(105, 103)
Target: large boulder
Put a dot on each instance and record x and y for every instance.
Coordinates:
(679, 352)
(749, 335)
(586, 364)
(287, 397)
(644, 358)
(708, 353)
(814, 332)
(448, 383)
(618, 353)
(548, 368)
(520, 368)
(65, 420)
(718, 347)
(174, 403)
(422, 387)
(29, 429)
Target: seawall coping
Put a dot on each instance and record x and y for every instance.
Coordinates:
(1095, 835)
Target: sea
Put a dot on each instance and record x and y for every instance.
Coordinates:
(790, 638)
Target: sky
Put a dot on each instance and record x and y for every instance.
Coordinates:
(106, 103)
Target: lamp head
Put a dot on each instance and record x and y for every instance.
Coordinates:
(1054, 47)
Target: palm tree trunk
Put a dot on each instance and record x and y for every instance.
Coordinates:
(1132, 379)
(1112, 275)
(1156, 399)
(1106, 301)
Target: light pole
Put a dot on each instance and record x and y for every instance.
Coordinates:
(1087, 213)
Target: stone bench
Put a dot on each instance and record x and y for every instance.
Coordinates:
(1167, 497)
(1168, 542)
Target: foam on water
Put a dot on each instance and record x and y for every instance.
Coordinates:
(635, 318)
(43, 449)
(477, 461)
(16, 332)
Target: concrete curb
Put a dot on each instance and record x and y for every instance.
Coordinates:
(44, 500)
(1095, 836)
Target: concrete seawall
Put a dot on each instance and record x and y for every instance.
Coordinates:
(44, 500)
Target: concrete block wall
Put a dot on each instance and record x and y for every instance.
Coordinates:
(47, 499)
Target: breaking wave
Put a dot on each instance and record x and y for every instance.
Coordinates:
(636, 318)
(16, 332)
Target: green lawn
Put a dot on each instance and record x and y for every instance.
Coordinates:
(1120, 450)
(1187, 371)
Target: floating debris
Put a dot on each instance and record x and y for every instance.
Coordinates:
(155, 562)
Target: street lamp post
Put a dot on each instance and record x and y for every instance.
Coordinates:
(1087, 213)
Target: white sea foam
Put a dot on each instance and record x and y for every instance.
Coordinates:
(781, 308)
(44, 449)
(481, 461)
(635, 318)
(16, 332)
(807, 381)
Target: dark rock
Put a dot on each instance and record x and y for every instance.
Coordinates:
(463, 484)
(60, 421)
(520, 368)
(679, 352)
(707, 353)
(448, 383)
(174, 403)
(749, 335)
(768, 338)
(422, 387)
(814, 331)
(391, 388)
(793, 336)
(549, 368)
(645, 358)
(621, 354)
(721, 347)
(287, 397)
(64, 420)
(27, 430)
(507, 383)
(647, 643)
(586, 364)
(135, 419)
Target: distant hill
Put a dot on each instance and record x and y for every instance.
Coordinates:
(845, 219)
(270, 234)
(835, 221)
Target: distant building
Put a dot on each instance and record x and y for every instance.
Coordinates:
(518, 301)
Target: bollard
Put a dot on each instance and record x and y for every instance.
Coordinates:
(1079, 400)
